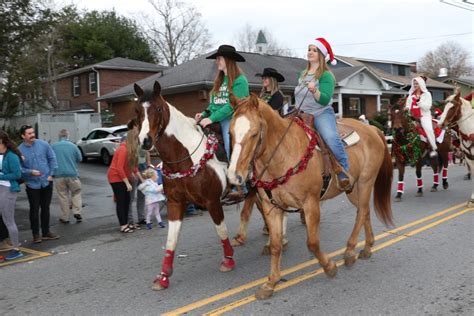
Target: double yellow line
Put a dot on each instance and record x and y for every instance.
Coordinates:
(301, 278)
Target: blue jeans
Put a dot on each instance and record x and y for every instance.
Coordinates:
(225, 128)
(325, 124)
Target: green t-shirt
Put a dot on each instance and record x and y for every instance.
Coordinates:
(219, 107)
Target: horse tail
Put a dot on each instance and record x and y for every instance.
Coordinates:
(383, 187)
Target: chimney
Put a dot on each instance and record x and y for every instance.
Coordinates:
(261, 44)
(443, 72)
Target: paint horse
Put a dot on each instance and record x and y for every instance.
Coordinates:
(459, 115)
(191, 171)
(256, 130)
(409, 147)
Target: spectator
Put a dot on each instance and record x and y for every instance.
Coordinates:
(10, 173)
(119, 176)
(154, 196)
(39, 164)
(66, 177)
(143, 162)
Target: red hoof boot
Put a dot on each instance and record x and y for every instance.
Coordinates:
(160, 283)
(228, 264)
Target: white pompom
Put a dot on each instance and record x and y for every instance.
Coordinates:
(334, 62)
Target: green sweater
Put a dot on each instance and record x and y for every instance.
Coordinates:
(219, 107)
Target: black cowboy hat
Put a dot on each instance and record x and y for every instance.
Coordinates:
(270, 72)
(227, 51)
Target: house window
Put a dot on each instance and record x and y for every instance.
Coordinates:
(401, 71)
(76, 87)
(92, 83)
(354, 106)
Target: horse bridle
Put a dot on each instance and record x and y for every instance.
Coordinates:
(160, 132)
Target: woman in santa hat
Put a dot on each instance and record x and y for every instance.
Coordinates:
(314, 95)
(419, 104)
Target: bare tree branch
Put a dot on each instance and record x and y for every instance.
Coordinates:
(176, 31)
(246, 39)
(449, 55)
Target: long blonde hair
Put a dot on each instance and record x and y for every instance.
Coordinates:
(132, 146)
(273, 87)
(323, 66)
(233, 71)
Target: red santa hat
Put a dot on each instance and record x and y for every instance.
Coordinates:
(326, 49)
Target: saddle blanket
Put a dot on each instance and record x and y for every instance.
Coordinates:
(439, 134)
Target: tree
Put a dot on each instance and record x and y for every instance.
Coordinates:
(449, 55)
(177, 33)
(246, 39)
(99, 36)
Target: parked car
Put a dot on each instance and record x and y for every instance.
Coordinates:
(102, 143)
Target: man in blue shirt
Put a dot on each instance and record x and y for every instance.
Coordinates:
(38, 166)
(66, 177)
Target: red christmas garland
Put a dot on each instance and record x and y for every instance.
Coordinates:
(211, 147)
(300, 166)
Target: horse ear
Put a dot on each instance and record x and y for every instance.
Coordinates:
(156, 89)
(138, 90)
(253, 101)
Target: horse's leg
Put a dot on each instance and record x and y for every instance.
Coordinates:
(470, 163)
(401, 184)
(284, 242)
(435, 166)
(175, 219)
(419, 179)
(245, 214)
(217, 215)
(274, 218)
(363, 209)
(444, 172)
(312, 214)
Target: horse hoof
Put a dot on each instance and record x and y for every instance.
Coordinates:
(227, 265)
(397, 199)
(434, 189)
(284, 245)
(470, 203)
(349, 260)
(160, 283)
(365, 254)
(445, 186)
(331, 269)
(237, 241)
(266, 250)
(418, 194)
(264, 292)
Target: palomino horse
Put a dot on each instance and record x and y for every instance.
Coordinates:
(192, 174)
(256, 130)
(408, 148)
(459, 115)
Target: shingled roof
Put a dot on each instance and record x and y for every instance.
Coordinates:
(199, 73)
(117, 63)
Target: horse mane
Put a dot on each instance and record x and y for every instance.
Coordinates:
(189, 122)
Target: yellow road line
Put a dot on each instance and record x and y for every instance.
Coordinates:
(304, 277)
(300, 266)
(35, 255)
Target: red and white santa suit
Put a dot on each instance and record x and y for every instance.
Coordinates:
(420, 108)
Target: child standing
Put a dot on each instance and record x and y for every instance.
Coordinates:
(153, 196)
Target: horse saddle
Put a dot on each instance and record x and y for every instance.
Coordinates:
(347, 134)
(215, 128)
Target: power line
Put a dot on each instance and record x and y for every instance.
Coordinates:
(465, 4)
(403, 39)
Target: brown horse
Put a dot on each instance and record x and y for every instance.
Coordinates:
(459, 115)
(192, 174)
(407, 147)
(256, 130)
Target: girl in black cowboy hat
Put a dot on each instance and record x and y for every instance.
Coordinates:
(229, 79)
(270, 90)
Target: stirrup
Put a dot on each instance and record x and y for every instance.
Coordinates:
(346, 184)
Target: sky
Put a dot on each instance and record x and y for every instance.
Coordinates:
(373, 29)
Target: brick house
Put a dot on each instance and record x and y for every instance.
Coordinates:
(361, 87)
(78, 89)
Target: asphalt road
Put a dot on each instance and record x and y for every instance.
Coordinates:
(425, 269)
